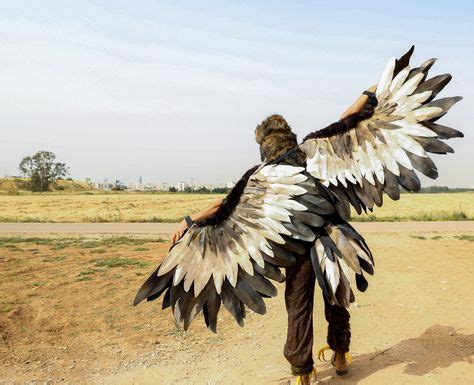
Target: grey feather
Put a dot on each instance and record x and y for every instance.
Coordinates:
(408, 179)
(443, 132)
(445, 104)
(424, 165)
(433, 145)
(434, 84)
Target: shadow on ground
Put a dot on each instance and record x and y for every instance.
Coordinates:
(438, 347)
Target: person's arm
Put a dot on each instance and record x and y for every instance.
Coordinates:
(358, 104)
(201, 215)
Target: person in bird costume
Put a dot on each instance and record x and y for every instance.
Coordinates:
(292, 211)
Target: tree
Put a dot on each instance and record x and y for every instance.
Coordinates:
(43, 170)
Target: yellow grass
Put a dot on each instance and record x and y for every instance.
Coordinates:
(168, 207)
(441, 206)
(118, 207)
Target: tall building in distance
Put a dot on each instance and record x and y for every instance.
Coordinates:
(139, 185)
(180, 186)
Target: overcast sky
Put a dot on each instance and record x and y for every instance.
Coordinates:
(171, 90)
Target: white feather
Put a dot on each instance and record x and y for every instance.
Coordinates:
(407, 88)
(332, 273)
(426, 113)
(386, 77)
(399, 79)
(280, 170)
(408, 143)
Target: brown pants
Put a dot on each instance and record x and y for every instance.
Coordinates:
(299, 296)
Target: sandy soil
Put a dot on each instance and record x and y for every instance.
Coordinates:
(66, 315)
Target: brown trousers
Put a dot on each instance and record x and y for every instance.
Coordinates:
(299, 296)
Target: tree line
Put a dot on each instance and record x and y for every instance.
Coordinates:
(201, 190)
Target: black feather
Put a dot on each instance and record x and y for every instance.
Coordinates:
(270, 271)
(153, 286)
(258, 283)
(292, 245)
(318, 273)
(401, 63)
(189, 306)
(342, 206)
(176, 293)
(353, 198)
(330, 247)
(361, 282)
(166, 299)
(249, 297)
(211, 307)
(319, 205)
(366, 266)
(281, 257)
(232, 303)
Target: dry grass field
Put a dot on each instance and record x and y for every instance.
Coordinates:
(425, 207)
(106, 207)
(168, 207)
(66, 316)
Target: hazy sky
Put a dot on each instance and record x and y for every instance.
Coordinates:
(174, 89)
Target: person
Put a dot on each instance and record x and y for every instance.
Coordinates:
(299, 295)
(292, 211)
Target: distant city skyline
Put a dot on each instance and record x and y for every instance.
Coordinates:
(171, 90)
(107, 184)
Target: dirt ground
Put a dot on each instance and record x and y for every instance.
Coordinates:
(66, 316)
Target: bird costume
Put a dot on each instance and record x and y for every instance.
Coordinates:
(292, 211)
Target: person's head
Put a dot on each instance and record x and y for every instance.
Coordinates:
(275, 137)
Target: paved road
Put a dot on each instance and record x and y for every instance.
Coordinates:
(167, 228)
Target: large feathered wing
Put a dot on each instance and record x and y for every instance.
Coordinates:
(380, 148)
(300, 202)
(230, 259)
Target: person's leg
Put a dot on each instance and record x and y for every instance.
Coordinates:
(299, 293)
(339, 334)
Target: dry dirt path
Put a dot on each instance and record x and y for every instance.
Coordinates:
(167, 228)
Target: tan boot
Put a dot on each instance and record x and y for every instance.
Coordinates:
(339, 361)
